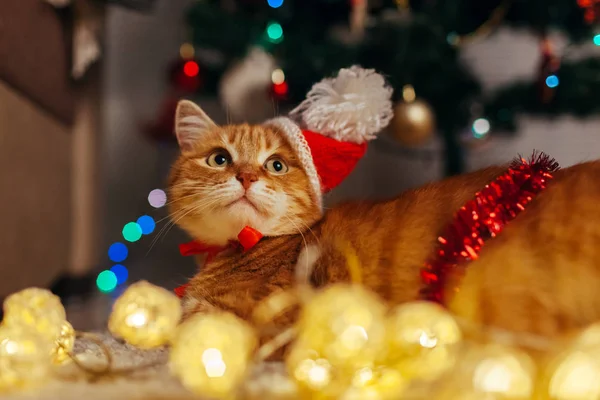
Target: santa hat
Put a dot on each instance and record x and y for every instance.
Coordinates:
(335, 122)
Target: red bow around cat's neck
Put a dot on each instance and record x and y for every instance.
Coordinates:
(247, 238)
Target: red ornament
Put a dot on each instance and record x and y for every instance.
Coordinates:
(483, 218)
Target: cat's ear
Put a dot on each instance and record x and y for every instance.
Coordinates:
(191, 123)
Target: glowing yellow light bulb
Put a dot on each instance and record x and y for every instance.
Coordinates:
(24, 357)
(345, 325)
(422, 339)
(491, 371)
(145, 315)
(377, 384)
(64, 344)
(575, 373)
(37, 309)
(210, 353)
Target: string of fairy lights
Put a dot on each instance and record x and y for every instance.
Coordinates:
(108, 280)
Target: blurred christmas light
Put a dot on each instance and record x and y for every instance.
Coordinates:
(132, 232)
(280, 89)
(278, 77)
(117, 252)
(186, 51)
(481, 127)
(191, 69)
(597, 40)
(552, 81)
(106, 281)
(408, 93)
(275, 3)
(452, 38)
(120, 272)
(147, 224)
(275, 32)
(157, 198)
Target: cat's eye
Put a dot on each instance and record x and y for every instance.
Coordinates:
(219, 159)
(276, 166)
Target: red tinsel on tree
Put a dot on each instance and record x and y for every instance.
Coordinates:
(483, 218)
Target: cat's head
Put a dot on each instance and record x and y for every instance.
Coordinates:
(229, 177)
(271, 177)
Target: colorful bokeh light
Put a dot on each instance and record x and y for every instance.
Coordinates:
(191, 69)
(552, 81)
(118, 252)
(275, 3)
(106, 281)
(281, 89)
(157, 198)
(278, 76)
(121, 273)
(186, 51)
(481, 127)
(275, 32)
(147, 224)
(132, 232)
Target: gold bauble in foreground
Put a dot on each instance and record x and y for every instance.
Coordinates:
(574, 374)
(210, 354)
(344, 324)
(422, 339)
(145, 315)
(491, 371)
(36, 309)
(413, 123)
(24, 357)
(379, 383)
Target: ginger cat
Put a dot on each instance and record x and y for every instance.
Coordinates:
(540, 275)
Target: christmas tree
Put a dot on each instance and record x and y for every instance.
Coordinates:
(287, 45)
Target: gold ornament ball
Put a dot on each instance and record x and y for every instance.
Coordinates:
(24, 357)
(210, 353)
(422, 339)
(64, 344)
(413, 123)
(379, 383)
(145, 315)
(316, 377)
(344, 324)
(491, 371)
(37, 309)
(574, 376)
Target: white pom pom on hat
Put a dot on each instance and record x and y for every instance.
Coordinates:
(339, 116)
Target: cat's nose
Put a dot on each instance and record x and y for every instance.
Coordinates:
(246, 179)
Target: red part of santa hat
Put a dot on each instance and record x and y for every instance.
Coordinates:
(339, 116)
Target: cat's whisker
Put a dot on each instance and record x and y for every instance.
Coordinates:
(310, 230)
(305, 243)
(177, 216)
(187, 196)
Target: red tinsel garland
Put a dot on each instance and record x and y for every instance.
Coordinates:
(483, 218)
